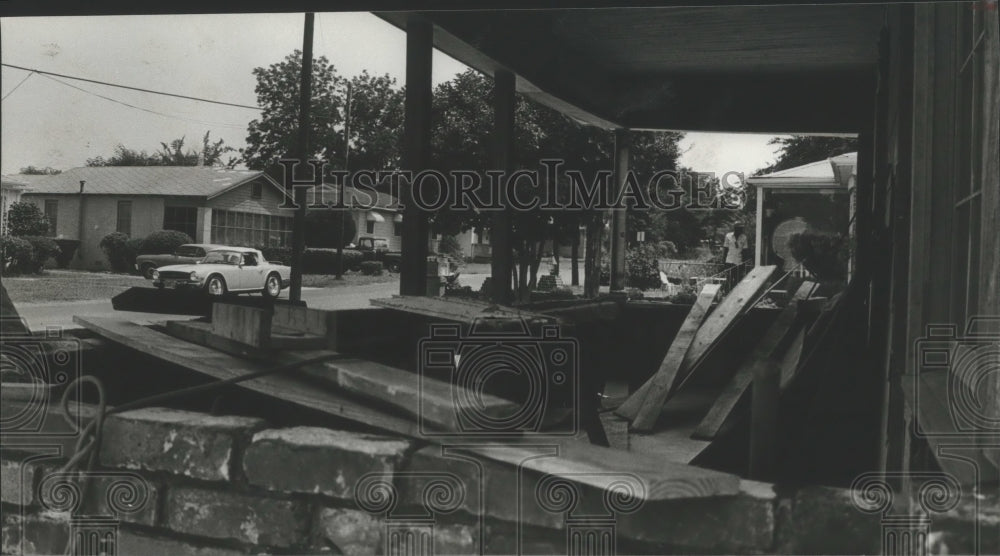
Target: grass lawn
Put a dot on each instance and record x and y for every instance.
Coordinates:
(69, 285)
(72, 285)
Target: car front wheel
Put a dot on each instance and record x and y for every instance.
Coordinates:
(272, 286)
(216, 286)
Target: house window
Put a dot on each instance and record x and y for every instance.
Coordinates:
(370, 227)
(256, 190)
(244, 229)
(52, 214)
(181, 219)
(124, 217)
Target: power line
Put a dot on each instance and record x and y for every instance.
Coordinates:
(175, 95)
(139, 107)
(18, 85)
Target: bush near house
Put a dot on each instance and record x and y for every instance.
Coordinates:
(449, 246)
(823, 254)
(324, 261)
(26, 219)
(163, 242)
(42, 249)
(120, 251)
(280, 255)
(371, 268)
(16, 253)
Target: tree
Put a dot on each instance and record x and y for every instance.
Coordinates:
(376, 122)
(170, 154)
(273, 135)
(803, 149)
(329, 228)
(35, 171)
(26, 219)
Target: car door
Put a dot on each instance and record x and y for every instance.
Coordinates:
(250, 270)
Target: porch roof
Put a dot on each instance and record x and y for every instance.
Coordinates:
(767, 69)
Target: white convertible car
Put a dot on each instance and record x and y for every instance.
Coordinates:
(226, 270)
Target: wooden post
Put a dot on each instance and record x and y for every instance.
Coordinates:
(759, 244)
(500, 225)
(618, 217)
(416, 153)
(302, 148)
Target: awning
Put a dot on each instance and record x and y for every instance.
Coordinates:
(374, 217)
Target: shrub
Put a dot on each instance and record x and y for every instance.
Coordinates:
(42, 249)
(823, 254)
(26, 219)
(642, 269)
(329, 228)
(280, 255)
(67, 248)
(119, 250)
(371, 268)
(163, 241)
(324, 261)
(16, 254)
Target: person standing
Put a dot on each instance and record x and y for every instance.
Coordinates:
(735, 244)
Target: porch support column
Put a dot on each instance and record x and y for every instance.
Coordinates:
(618, 218)
(416, 154)
(759, 243)
(501, 260)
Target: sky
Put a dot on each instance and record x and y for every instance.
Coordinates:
(47, 123)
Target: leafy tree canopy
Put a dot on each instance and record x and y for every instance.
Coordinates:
(36, 171)
(170, 154)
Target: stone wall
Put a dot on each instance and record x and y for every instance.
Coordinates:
(178, 482)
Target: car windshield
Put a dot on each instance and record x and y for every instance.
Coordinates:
(222, 257)
(189, 251)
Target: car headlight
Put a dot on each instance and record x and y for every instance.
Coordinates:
(194, 275)
(156, 274)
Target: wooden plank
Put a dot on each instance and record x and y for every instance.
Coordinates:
(674, 442)
(790, 362)
(643, 407)
(432, 402)
(11, 322)
(223, 366)
(615, 429)
(579, 461)
(314, 322)
(460, 310)
(761, 355)
(247, 325)
(719, 321)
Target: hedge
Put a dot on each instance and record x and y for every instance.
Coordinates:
(163, 242)
(67, 248)
(16, 253)
(120, 251)
(371, 268)
(42, 249)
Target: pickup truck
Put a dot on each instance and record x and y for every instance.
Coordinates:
(377, 249)
(185, 254)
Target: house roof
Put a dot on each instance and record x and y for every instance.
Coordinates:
(822, 173)
(12, 182)
(361, 198)
(195, 181)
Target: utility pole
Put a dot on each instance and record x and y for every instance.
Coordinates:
(347, 168)
(302, 153)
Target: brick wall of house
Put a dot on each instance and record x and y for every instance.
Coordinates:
(179, 482)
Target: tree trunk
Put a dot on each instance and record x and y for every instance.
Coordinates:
(574, 255)
(592, 264)
(538, 249)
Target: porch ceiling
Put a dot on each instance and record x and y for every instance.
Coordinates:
(804, 69)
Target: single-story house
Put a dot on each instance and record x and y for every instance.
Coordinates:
(11, 190)
(819, 196)
(212, 205)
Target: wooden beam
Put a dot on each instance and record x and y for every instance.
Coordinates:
(618, 215)
(763, 355)
(302, 152)
(501, 260)
(416, 153)
(718, 322)
(759, 244)
(644, 406)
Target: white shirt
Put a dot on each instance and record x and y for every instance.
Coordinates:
(734, 248)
